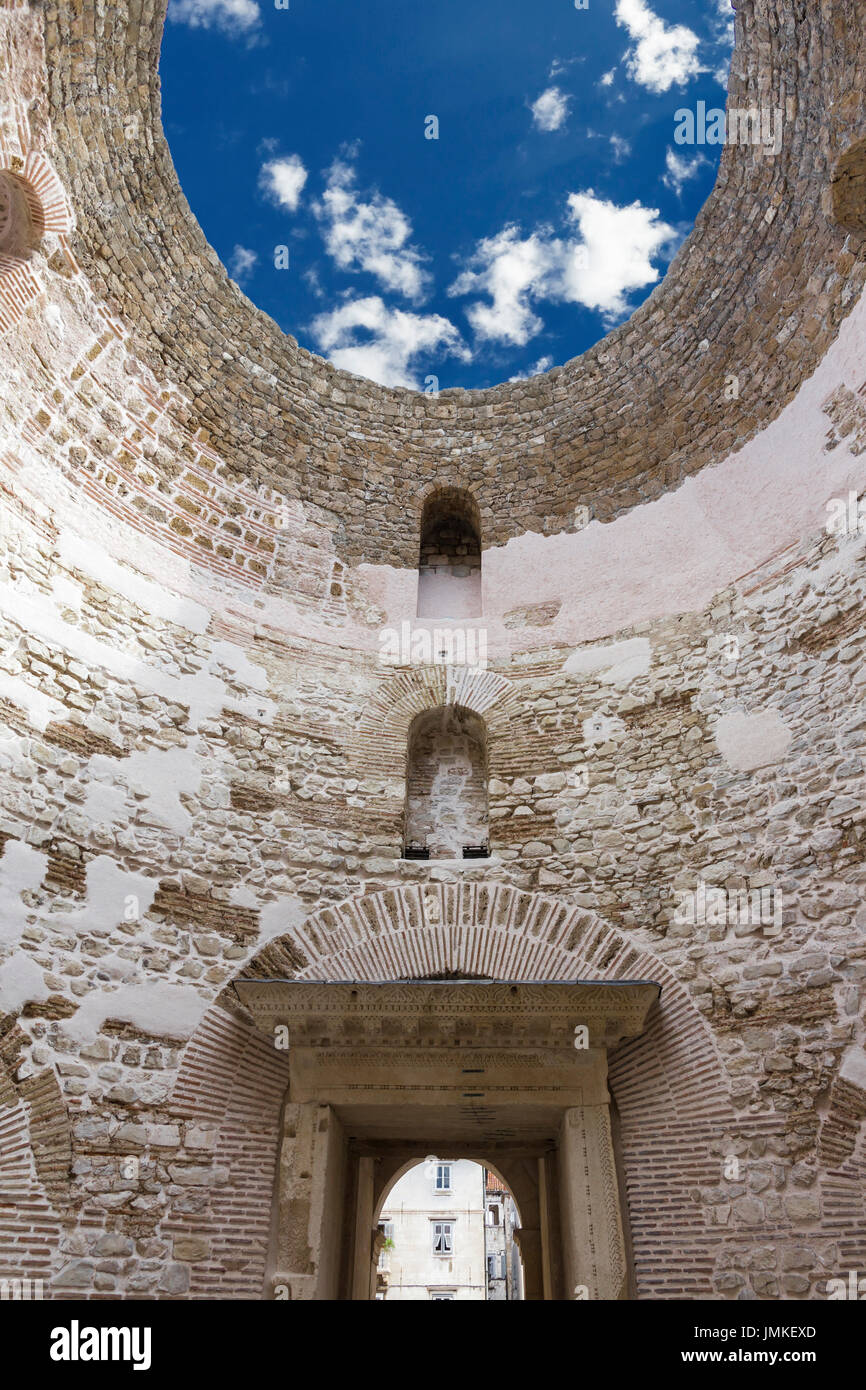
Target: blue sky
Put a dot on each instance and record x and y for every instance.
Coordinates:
(547, 209)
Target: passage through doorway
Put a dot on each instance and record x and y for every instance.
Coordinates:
(509, 1073)
(447, 1232)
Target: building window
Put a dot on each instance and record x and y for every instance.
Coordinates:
(443, 1237)
(443, 1177)
(442, 1295)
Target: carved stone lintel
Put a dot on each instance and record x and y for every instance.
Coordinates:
(454, 1014)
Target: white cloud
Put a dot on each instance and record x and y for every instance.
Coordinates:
(366, 337)
(283, 180)
(543, 364)
(723, 24)
(372, 235)
(619, 245)
(606, 79)
(680, 170)
(598, 264)
(621, 148)
(512, 270)
(550, 110)
(229, 15)
(311, 278)
(661, 56)
(242, 263)
(724, 35)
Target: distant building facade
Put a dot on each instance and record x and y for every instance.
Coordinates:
(502, 1257)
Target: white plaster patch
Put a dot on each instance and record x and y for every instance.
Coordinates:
(159, 1009)
(117, 967)
(234, 659)
(113, 895)
(616, 664)
(747, 741)
(853, 1067)
(22, 869)
(675, 554)
(205, 693)
(40, 709)
(159, 776)
(21, 981)
(242, 895)
(66, 592)
(81, 554)
(105, 803)
(54, 323)
(278, 919)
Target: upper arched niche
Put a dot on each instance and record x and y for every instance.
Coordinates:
(849, 188)
(629, 420)
(17, 233)
(449, 563)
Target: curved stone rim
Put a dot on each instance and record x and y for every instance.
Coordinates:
(760, 287)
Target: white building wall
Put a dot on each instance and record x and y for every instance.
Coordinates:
(412, 1208)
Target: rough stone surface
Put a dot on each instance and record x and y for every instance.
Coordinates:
(203, 762)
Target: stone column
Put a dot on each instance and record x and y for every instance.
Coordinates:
(311, 1175)
(362, 1265)
(528, 1240)
(592, 1234)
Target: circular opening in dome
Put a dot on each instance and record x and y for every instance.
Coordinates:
(446, 196)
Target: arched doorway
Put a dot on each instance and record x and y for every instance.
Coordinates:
(448, 1231)
(384, 1074)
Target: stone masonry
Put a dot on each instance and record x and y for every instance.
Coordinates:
(203, 761)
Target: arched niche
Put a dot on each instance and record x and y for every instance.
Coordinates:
(449, 563)
(32, 203)
(848, 188)
(446, 785)
(16, 226)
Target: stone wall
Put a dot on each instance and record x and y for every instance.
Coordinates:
(202, 758)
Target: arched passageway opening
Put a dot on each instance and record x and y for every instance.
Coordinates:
(447, 1230)
(381, 1074)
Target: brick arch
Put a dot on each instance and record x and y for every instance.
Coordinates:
(380, 740)
(48, 208)
(669, 1086)
(409, 693)
(46, 199)
(34, 1173)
